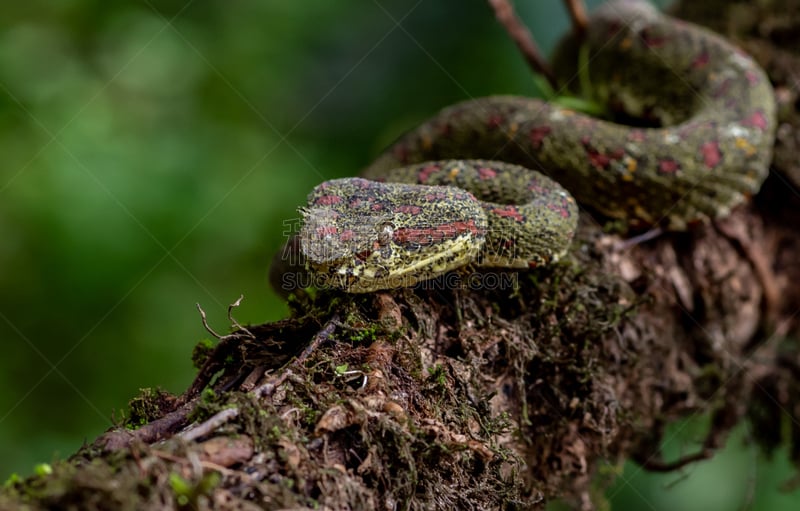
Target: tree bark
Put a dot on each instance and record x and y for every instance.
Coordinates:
(498, 397)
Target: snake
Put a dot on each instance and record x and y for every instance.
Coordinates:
(496, 181)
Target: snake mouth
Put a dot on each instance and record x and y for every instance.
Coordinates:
(377, 273)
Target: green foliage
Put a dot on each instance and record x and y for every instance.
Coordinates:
(43, 469)
(12, 479)
(151, 157)
(438, 374)
(202, 350)
(187, 493)
(147, 406)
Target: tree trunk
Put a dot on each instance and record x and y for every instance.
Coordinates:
(487, 390)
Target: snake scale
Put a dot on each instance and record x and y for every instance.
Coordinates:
(693, 120)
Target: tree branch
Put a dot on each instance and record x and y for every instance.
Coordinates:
(504, 12)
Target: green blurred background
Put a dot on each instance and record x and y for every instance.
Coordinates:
(151, 154)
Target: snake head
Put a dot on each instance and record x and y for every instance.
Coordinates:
(361, 235)
(328, 236)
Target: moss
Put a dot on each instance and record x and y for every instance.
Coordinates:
(188, 493)
(438, 375)
(201, 351)
(367, 334)
(149, 405)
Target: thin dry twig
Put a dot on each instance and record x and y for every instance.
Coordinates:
(240, 333)
(205, 322)
(577, 13)
(233, 320)
(156, 430)
(321, 337)
(656, 465)
(519, 33)
(207, 427)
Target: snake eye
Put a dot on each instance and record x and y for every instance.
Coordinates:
(385, 232)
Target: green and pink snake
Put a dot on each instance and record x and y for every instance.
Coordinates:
(690, 137)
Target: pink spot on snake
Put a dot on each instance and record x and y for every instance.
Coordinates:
(535, 186)
(425, 173)
(653, 40)
(377, 206)
(408, 209)
(327, 200)
(668, 166)
(328, 230)
(433, 197)
(711, 154)
(486, 173)
(723, 89)
(511, 212)
(701, 60)
(538, 134)
(364, 184)
(434, 235)
(463, 196)
(347, 235)
(752, 77)
(758, 120)
(637, 135)
(562, 209)
(600, 160)
(494, 121)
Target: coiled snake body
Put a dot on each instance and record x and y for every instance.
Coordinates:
(706, 120)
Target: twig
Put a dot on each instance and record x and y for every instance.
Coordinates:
(577, 12)
(321, 337)
(233, 320)
(722, 420)
(205, 322)
(212, 362)
(504, 12)
(265, 389)
(237, 334)
(215, 421)
(250, 382)
(149, 433)
(656, 465)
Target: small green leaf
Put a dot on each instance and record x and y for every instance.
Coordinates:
(581, 105)
(180, 486)
(13, 479)
(43, 469)
(583, 71)
(544, 87)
